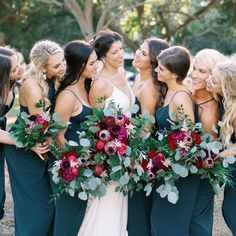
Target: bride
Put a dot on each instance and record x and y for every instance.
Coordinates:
(108, 215)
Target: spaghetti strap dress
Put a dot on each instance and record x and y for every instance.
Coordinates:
(169, 219)
(139, 205)
(69, 211)
(30, 184)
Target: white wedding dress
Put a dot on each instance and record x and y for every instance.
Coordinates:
(108, 215)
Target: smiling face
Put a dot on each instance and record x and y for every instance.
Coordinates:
(142, 59)
(200, 73)
(90, 70)
(55, 66)
(214, 82)
(115, 55)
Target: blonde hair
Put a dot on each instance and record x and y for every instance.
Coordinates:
(39, 56)
(210, 57)
(228, 82)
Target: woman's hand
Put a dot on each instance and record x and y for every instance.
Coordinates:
(41, 148)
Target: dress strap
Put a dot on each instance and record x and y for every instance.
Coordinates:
(201, 103)
(75, 95)
(181, 91)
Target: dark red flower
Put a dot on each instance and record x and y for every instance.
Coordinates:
(144, 164)
(100, 145)
(171, 142)
(109, 121)
(121, 149)
(99, 170)
(159, 161)
(196, 138)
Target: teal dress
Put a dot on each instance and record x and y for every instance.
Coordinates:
(30, 184)
(69, 211)
(139, 210)
(3, 121)
(202, 218)
(169, 219)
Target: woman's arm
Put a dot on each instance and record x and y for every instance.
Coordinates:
(65, 107)
(5, 137)
(183, 99)
(29, 95)
(99, 89)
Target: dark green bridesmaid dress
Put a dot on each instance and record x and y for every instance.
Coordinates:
(139, 210)
(169, 219)
(30, 184)
(69, 211)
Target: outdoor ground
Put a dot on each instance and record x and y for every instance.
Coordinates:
(7, 224)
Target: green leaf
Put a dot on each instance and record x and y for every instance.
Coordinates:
(127, 162)
(83, 196)
(193, 150)
(172, 197)
(116, 168)
(134, 108)
(193, 169)
(180, 170)
(84, 142)
(93, 129)
(88, 173)
(73, 143)
(124, 179)
(148, 189)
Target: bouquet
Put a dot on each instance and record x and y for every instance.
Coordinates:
(75, 173)
(182, 151)
(32, 129)
(117, 146)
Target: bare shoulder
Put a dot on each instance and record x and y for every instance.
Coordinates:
(182, 97)
(30, 88)
(66, 95)
(99, 84)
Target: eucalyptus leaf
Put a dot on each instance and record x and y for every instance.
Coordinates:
(134, 108)
(128, 150)
(84, 142)
(172, 197)
(198, 125)
(230, 159)
(180, 170)
(92, 183)
(193, 169)
(88, 173)
(124, 179)
(116, 168)
(127, 161)
(193, 150)
(225, 163)
(148, 189)
(83, 196)
(93, 129)
(146, 136)
(73, 143)
(71, 192)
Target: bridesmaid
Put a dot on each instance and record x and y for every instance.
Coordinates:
(72, 105)
(149, 95)
(223, 82)
(9, 66)
(169, 219)
(206, 112)
(29, 177)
